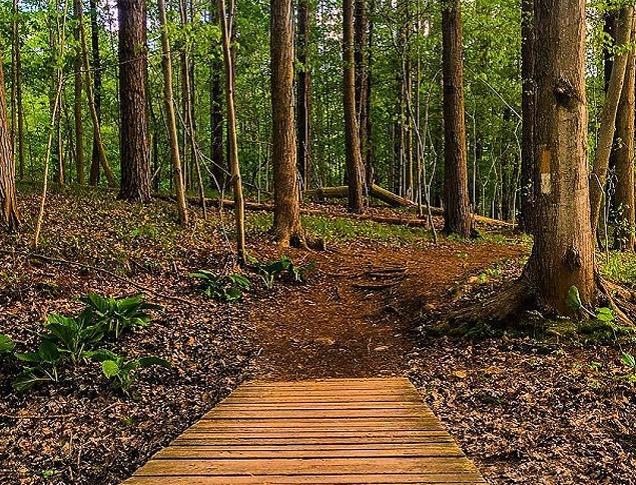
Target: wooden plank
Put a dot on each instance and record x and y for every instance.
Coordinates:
(362, 435)
(299, 423)
(343, 431)
(282, 442)
(305, 452)
(223, 413)
(317, 466)
(387, 479)
(318, 405)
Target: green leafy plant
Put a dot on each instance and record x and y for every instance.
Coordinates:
(228, 288)
(629, 361)
(73, 335)
(120, 370)
(118, 315)
(6, 344)
(43, 366)
(271, 270)
(602, 324)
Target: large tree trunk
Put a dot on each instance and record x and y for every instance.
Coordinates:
(96, 92)
(8, 203)
(171, 119)
(77, 100)
(457, 214)
(355, 176)
(528, 98)
(624, 197)
(287, 227)
(608, 117)
(134, 147)
(303, 93)
(563, 253)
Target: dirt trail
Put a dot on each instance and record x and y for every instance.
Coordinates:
(333, 328)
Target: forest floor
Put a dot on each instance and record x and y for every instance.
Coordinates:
(525, 406)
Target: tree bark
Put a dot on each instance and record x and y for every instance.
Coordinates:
(171, 119)
(303, 93)
(287, 228)
(624, 155)
(563, 252)
(77, 96)
(608, 117)
(97, 137)
(361, 40)
(96, 97)
(457, 214)
(217, 140)
(134, 147)
(188, 109)
(9, 216)
(528, 99)
(16, 45)
(355, 176)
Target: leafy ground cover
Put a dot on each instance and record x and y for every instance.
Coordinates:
(535, 405)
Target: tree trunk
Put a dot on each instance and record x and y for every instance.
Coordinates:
(287, 228)
(228, 60)
(355, 167)
(77, 100)
(608, 117)
(528, 98)
(303, 93)
(457, 211)
(361, 43)
(134, 148)
(217, 140)
(171, 119)
(624, 197)
(563, 252)
(8, 203)
(368, 155)
(96, 92)
(97, 137)
(188, 109)
(16, 44)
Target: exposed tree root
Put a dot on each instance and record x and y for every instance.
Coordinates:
(618, 299)
(377, 286)
(500, 308)
(521, 296)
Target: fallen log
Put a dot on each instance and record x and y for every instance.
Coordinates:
(376, 191)
(400, 221)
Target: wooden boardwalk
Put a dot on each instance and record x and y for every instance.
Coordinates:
(337, 431)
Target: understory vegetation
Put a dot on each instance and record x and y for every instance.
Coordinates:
(194, 194)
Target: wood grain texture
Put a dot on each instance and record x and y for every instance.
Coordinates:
(337, 431)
